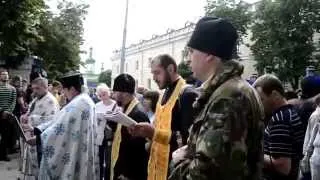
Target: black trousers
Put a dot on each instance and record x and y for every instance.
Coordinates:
(14, 135)
(9, 134)
(105, 159)
(5, 137)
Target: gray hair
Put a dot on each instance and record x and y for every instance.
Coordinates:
(269, 83)
(103, 88)
(40, 81)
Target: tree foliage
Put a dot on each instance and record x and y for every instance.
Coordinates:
(237, 12)
(283, 37)
(184, 70)
(28, 28)
(105, 77)
(19, 22)
(62, 37)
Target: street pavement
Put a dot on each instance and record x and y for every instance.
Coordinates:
(9, 170)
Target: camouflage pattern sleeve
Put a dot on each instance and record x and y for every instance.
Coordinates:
(218, 139)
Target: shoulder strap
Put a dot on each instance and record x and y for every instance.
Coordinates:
(114, 107)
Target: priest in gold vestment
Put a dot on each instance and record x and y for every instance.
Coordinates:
(173, 117)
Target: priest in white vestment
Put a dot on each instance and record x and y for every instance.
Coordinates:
(41, 110)
(69, 151)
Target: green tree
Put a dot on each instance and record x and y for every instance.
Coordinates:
(316, 55)
(19, 23)
(184, 70)
(105, 77)
(237, 12)
(283, 37)
(62, 38)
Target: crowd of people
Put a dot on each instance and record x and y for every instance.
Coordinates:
(227, 128)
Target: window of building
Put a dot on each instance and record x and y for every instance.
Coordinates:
(137, 65)
(149, 61)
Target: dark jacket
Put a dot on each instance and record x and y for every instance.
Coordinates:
(182, 114)
(133, 157)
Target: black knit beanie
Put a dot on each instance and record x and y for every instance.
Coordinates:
(214, 36)
(124, 83)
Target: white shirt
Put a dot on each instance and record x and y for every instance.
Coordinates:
(102, 109)
(313, 120)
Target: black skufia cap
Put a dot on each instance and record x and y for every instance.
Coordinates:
(72, 79)
(124, 83)
(214, 36)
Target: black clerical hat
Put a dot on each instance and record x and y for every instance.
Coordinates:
(70, 79)
(216, 36)
(124, 83)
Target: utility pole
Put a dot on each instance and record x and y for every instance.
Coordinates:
(124, 38)
(102, 67)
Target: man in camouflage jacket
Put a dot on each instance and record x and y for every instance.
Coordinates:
(225, 141)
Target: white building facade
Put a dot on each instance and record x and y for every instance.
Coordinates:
(173, 42)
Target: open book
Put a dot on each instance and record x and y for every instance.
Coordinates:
(120, 117)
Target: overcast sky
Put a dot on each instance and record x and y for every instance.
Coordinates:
(105, 20)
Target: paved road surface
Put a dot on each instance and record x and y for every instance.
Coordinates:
(9, 170)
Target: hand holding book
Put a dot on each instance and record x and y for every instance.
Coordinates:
(120, 118)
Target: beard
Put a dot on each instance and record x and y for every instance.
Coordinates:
(166, 82)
